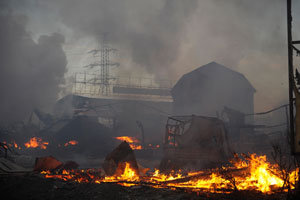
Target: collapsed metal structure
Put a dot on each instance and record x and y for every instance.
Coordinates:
(194, 140)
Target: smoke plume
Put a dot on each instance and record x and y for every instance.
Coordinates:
(30, 72)
(168, 38)
(149, 31)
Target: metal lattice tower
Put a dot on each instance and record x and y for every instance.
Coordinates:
(104, 64)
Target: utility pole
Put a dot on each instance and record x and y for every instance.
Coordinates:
(291, 48)
(290, 71)
(104, 64)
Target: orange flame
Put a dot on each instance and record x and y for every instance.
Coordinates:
(259, 175)
(36, 142)
(14, 144)
(71, 142)
(254, 174)
(128, 175)
(132, 141)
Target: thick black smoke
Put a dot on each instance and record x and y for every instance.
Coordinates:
(30, 72)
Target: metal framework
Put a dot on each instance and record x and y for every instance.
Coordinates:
(104, 64)
(175, 127)
(89, 84)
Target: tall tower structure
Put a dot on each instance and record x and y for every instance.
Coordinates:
(104, 63)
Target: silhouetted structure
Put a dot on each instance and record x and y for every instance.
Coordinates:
(207, 89)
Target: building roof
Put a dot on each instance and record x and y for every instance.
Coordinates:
(209, 71)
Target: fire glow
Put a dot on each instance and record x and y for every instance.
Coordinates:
(36, 142)
(72, 142)
(12, 145)
(253, 174)
(132, 141)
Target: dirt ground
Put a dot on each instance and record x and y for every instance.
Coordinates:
(34, 186)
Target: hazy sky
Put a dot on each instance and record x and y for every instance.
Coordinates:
(169, 38)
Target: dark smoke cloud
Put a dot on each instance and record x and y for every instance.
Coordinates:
(171, 37)
(246, 36)
(150, 31)
(30, 72)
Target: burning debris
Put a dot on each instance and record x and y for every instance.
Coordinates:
(36, 142)
(244, 173)
(71, 142)
(132, 141)
(101, 109)
(119, 160)
(191, 142)
(183, 136)
(251, 172)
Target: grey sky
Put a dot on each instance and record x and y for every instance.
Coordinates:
(169, 38)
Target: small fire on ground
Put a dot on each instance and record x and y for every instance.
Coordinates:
(251, 172)
(37, 142)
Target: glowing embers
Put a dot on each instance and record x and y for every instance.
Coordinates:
(126, 178)
(13, 144)
(36, 142)
(133, 142)
(151, 146)
(80, 176)
(249, 173)
(71, 142)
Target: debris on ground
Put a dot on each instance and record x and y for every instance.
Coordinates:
(114, 162)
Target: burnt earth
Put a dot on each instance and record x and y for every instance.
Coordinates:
(33, 186)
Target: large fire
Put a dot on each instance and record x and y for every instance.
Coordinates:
(132, 141)
(254, 173)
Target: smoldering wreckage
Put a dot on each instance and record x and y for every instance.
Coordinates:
(92, 148)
